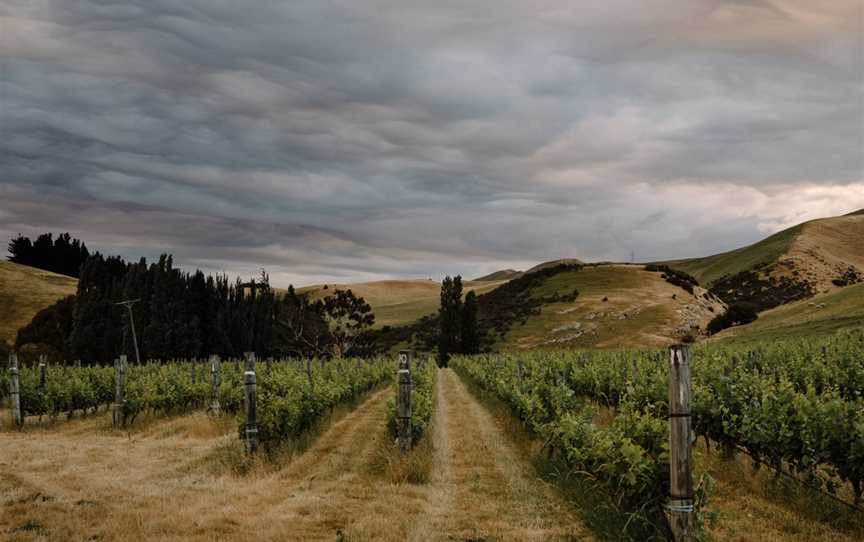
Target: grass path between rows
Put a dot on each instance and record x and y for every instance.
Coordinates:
(79, 480)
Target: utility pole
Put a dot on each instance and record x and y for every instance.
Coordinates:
(128, 304)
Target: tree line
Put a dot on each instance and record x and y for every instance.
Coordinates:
(63, 255)
(183, 314)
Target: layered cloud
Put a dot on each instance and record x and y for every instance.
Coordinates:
(367, 139)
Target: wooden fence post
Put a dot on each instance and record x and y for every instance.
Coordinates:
(250, 361)
(215, 381)
(43, 367)
(15, 392)
(119, 414)
(680, 507)
(404, 360)
(251, 414)
(403, 409)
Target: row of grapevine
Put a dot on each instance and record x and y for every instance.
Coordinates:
(629, 456)
(288, 389)
(422, 391)
(795, 404)
(291, 399)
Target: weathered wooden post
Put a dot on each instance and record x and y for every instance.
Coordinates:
(42, 368)
(680, 507)
(403, 402)
(250, 361)
(269, 365)
(215, 381)
(581, 360)
(251, 414)
(404, 360)
(119, 414)
(15, 391)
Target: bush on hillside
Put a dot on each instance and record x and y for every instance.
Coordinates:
(674, 276)
(737, 314)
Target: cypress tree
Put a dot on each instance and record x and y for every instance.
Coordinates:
(470, 335)
(449, 317)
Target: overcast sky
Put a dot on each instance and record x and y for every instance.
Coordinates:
(358, 140)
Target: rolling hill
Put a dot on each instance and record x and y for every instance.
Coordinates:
(824, 313)
(24, 291)
(618, 306)
(803, 279)
(815, 257)
(503, 274)
(398, 302)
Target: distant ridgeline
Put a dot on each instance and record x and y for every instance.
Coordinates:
(63, 255)
(181, 314)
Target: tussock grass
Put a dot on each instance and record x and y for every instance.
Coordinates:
(415, 467)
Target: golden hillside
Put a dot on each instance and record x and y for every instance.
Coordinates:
(24, 291)
(399, 302)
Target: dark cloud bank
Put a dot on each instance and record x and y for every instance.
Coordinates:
(361, 139)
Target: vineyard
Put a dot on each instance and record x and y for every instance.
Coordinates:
(794, 407)
(292, 394)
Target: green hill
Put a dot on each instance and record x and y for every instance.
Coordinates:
(818, 256)
(618, 306)
(708, 269)
(24, 291)
(824, 313)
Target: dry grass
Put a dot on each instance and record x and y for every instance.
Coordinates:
(24, 291)
(483, 488)
(176, 479)
(826, 248)
(754, 506)
(641, 310)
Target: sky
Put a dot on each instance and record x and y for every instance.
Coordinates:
(341, 141)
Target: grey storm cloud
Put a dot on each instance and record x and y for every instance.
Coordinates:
(368, 139)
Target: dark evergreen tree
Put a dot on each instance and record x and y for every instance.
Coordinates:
(449, 317)
(64, 255)
(470, 334)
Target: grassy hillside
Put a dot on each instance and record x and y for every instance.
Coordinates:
(399, 302)
(814, 257)
(640, 309)
(24, 291)
(708, 269)
(504, 274)
(825, 313)
(555, 263)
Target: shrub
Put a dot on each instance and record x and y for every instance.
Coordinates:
(737, 314)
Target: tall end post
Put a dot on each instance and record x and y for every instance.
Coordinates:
(404, 360)
(680, 507)
(215, 382)
(251, 415)
(15, 392)
(119, 413)
(403, 409)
